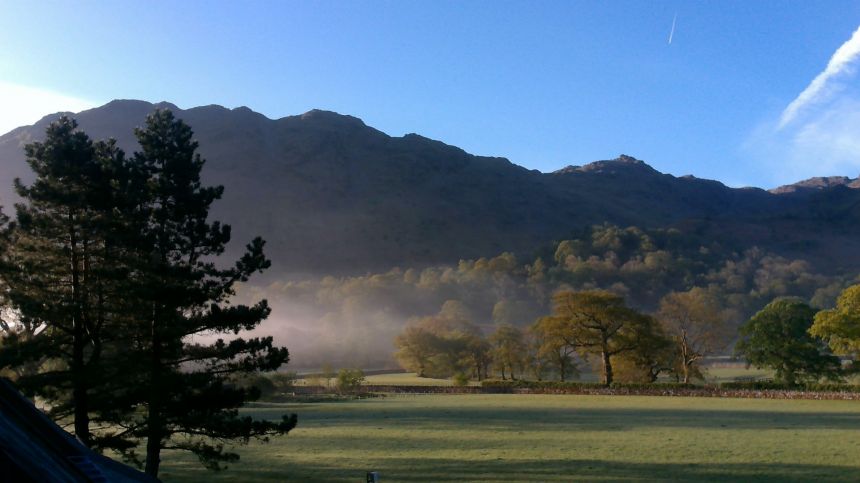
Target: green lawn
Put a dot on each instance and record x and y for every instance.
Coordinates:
(551, 438)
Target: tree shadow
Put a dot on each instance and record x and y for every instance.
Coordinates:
(589, 419)
(546, 470)
(594, 470)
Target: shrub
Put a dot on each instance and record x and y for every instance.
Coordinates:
(349, 380)
(460, 379)
(314, 380)
(580, 386)
(255, 383)
(284, 381)
(781, 386)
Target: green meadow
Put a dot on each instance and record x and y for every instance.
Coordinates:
(494, 438)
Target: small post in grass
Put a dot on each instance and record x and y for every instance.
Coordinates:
(372, 477)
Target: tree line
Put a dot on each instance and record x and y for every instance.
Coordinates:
(115, 308)
(798, 342)
(353, 320)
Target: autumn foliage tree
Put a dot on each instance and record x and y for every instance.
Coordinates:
(549, 335)
(444, 344)
(509, 350)
(415, 348)
(697, 324)
(597, 323)
(840, 326)
(652, 355)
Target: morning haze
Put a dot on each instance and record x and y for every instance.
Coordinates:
(338, 284)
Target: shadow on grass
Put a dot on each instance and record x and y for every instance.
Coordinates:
(591, 470)
(593, 419)
(435, 470)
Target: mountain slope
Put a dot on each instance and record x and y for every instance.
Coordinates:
(332, 195)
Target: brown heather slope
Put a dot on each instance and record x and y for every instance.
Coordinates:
(332, 195)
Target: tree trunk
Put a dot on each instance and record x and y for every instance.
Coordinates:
(788, 375)
(607, 368)
(685, 358)
(79, 379)
(153, 443)
(79, 391)
(154, 423)
(561, 370)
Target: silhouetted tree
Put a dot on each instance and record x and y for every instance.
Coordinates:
(181, 385)
(66, 274)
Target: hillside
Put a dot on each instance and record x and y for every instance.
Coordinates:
(333, 195)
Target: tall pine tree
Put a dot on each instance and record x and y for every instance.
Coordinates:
(112, 268)
(64, 273)
(183, 383)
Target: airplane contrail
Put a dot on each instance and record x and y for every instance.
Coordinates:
(672, 32)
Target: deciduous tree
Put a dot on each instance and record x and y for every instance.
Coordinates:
(597, 323)
(509, 349)
(777, 337)
(840, 326)
(697, 324)
(553, 346)
(415, 348)
(653, 354)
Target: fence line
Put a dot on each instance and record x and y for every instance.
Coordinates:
(705, 391)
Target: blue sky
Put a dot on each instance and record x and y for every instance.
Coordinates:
(545, 84)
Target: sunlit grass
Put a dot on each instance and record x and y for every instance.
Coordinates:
(728, 374)
(407, 379)
(712, 375)
(551, 438)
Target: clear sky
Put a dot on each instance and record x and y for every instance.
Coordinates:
(543, 83)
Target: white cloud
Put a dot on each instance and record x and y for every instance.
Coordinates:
(842, 62)
(818, 133)
(23, 105)
(824, 143)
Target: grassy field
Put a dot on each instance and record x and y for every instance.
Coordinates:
(712, 375)
(406, 379)
(728, 374)
(551, 438)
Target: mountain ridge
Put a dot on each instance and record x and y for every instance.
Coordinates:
(331, 194)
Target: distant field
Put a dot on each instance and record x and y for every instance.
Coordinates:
(712, 375)
(727, 374)
(406, 379)
(551, 438)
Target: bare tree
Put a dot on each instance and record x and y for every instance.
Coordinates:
(698, 325)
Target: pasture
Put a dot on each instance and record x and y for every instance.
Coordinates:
(550, 438)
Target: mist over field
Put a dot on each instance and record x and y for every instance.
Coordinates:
(418, 241)
(352, 321)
